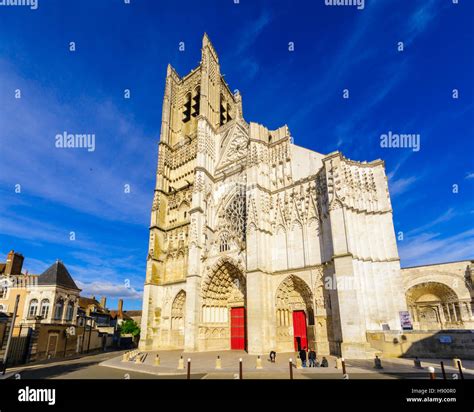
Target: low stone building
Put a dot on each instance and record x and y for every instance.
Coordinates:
(440, 296)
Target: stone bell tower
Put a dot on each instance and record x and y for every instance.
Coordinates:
(194, 107)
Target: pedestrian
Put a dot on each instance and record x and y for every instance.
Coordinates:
(272, 356)
(312, 358)
(303, 357)
(324, 362)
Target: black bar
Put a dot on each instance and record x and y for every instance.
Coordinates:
(442, 370)
(460, 369)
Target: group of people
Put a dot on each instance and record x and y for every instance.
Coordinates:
(313, 362)
(305, 355)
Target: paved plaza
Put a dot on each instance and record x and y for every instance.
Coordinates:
(203, 366)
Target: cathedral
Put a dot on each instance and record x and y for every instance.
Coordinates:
(258, 244)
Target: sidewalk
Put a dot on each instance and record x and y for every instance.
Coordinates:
(52, 362)
(205, 363)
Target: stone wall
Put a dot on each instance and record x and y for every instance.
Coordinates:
(424, 344)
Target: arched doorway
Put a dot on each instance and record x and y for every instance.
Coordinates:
(434, 306)
(294, 315)
(177, 319)
(223, 316)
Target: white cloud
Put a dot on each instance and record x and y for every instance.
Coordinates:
(427, 248)
(445, 217)
(91, 182)
(399, 186)
(421, 18)
(109, 290)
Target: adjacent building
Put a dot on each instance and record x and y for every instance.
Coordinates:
(52, 319)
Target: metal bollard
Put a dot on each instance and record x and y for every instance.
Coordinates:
(138, 358)
(181, 363)
(377, 363)
(240, 369)
(291, 368)
(460, 369)
(344, 373)
(218, 362)
(431, 370)
(189, 369)
(442, 370)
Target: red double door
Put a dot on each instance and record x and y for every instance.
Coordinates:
(299, 330)
(237, 328)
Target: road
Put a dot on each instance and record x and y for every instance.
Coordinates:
(83, 368)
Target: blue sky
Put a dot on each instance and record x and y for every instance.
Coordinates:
(127, 46)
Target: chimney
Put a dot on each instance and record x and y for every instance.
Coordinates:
(14, 263)
(103, 301)
(120, 308)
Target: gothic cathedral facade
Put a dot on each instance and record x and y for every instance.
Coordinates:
(258, 244)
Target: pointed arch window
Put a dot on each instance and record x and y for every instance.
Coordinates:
(187, 108)
(224, 242)
(196, 102)
(223, 111)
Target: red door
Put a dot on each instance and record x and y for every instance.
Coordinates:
(299, 330)
(237, 328)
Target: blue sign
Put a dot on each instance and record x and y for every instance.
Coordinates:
(445, 339)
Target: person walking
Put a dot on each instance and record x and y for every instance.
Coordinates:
(312, 358)
(303, 357)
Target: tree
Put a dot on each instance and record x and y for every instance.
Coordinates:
(130, 327)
